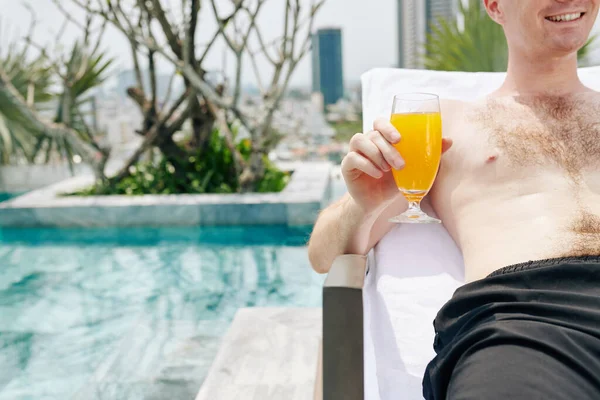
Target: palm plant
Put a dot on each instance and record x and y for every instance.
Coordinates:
(480, 45)
(32, 79)
(84, 71)
(58, 86)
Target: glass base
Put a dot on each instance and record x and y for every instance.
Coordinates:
(414, 215)
(414, 219)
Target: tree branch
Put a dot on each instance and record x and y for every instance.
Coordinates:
(174, 41)
(100, 36)
(149, 139)
(276, 91)
(285, 28)
(67, 15)
(261, 88)
(170, 88)
(264, 47)
(209, 46)
(136, 66)
(178, 123)
(223, 23)
(240, 54)
(194, 9)
(152, 72)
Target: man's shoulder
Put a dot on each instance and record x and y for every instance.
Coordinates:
(455, 116)
(450, 103)
(454, 110)
(593, 95)
(453, 105)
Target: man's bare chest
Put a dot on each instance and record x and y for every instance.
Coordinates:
(551, 133)
(536, 161)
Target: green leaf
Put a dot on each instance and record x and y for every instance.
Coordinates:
(6, 139)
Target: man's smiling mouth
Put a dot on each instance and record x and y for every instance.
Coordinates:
(566, 17)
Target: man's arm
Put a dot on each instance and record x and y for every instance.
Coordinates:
(344, 228)
(347, 227)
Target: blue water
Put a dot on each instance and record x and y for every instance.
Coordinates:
(135, 313)
(7, 196)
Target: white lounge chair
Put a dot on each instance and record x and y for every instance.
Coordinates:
(378, 310)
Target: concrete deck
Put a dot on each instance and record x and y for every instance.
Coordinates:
(267, 354)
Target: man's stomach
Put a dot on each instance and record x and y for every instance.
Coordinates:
(497, 229)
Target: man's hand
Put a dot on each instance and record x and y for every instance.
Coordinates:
(367, 166)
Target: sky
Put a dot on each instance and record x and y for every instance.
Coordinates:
(369, 30)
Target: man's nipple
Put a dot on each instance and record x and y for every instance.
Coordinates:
(491, 158)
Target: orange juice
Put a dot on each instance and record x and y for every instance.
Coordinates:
(421, 148)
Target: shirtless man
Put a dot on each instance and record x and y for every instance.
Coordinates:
(519, 192)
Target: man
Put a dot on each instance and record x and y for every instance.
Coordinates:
(519, 191)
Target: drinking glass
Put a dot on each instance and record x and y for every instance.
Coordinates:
(418, 119)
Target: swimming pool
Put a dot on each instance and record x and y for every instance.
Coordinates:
(135, 313)
(7, 196)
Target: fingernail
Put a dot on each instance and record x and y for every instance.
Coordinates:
(395, 136)
(385, 166)
(398, 163)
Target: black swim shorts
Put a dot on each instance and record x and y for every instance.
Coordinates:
(528, 331)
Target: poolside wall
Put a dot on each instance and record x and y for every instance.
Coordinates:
(23, 178)
(298, 204)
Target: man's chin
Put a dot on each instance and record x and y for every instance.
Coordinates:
(565, 48)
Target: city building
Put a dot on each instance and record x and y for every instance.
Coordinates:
(415, 19)
(328, 76)
(436, 9)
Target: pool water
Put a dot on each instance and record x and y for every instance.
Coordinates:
(7, 196)
(135, 313)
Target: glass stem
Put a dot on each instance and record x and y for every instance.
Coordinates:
(414, 206)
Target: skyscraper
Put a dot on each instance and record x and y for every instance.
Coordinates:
(411, 32)
(435, 9)
(415, 18)
(328, 77)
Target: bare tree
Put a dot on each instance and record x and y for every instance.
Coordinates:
(153, 31)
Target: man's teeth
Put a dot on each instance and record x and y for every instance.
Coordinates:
(565, 17)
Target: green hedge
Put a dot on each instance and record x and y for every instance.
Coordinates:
(211, 171)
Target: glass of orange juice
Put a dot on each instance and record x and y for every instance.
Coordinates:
(418, 119)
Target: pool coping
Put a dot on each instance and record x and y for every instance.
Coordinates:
(268, 353)
(298, 204)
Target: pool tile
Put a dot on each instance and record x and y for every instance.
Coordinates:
(156, 358)
(302, 213)
(242, 214)
(158, 390)
(51, 388)
(22, 217)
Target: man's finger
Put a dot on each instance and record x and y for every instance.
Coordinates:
(354, 161)
(446, 145)
(391, 155)
(388, 131)
(364, 145)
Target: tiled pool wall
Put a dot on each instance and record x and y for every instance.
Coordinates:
(308, 192)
